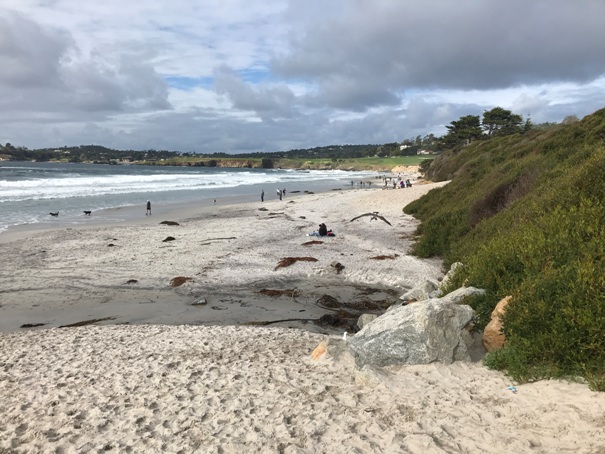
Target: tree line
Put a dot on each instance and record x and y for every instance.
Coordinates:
(496, 122)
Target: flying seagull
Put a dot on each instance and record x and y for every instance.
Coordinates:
(374, 215)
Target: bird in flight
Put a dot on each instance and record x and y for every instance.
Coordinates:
(374, 215)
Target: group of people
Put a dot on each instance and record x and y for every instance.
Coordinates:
(280, 193)
(398, 183)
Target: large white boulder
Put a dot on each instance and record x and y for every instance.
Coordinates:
(419, 333)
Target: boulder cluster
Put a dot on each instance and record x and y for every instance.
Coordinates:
(425, 327)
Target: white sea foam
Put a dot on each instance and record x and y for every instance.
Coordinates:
(84, 185)
(29, 191)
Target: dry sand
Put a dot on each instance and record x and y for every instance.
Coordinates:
(133, 386)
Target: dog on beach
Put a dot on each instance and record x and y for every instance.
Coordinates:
(54, 213)
(87, 213)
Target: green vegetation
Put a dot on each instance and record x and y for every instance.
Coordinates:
(495, 122)
(347, 157)
(525, 213)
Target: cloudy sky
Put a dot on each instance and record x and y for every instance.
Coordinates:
(243, 75)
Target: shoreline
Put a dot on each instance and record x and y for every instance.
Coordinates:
(131, 213)
(228, 254)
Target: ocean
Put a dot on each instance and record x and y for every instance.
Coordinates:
(29, 191)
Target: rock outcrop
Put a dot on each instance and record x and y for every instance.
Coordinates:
(458, 295)
(493, 337)
(414, 334)
(364, 319)
(422, 292)
(455, 268)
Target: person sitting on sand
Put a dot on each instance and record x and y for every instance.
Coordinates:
(322, 231)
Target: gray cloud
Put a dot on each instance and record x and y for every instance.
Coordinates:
(404, 44)
(31, 54)
(286, 74)
(44, 71)
(268, 103)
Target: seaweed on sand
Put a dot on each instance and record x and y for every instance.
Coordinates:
(385, 257)
(179, 280)
(287, 261)
(275, 293)
(310, 243)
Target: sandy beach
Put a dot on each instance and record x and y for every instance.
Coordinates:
(157, 373)
(227, 255)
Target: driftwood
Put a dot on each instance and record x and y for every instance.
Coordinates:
(287, 261)
(169, 223)
(209, 240)
(32, 325)
(340, 319)
(270, 322)
(87, 322)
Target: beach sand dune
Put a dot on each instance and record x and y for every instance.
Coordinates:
(241, 390)
(156, 374)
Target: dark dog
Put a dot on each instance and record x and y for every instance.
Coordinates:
(55, 214)
(87, 213)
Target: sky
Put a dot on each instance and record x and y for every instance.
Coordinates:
(240, 76)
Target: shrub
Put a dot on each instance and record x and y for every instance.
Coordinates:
(438, 232)
(526, 215)
(424, 165)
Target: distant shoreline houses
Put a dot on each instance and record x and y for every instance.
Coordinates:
(422, 152)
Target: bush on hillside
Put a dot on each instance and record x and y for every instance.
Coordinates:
(501, 197)
(442, 230)
(527, 217)
(424, 165)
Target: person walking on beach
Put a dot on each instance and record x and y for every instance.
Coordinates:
(148, 209)
(262, 195)
(279, 193)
